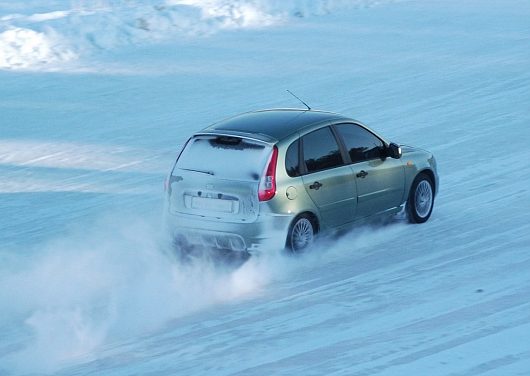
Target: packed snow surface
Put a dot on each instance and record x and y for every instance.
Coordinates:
(97, 97)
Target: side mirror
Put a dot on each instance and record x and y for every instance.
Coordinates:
(394, 151)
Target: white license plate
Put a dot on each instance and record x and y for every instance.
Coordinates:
(215, 204)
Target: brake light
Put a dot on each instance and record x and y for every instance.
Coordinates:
(267, 184)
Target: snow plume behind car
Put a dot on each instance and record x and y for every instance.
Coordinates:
(102, 284)
(114, 280)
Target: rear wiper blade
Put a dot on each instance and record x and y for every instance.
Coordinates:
(201, 171)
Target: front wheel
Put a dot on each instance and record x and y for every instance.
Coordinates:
(421, 199)
(301, 234)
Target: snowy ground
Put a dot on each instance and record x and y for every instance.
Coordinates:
(97, 96)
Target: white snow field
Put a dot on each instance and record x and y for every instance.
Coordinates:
(97, 96)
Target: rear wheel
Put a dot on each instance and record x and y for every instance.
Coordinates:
(301, 234)
(421, 199)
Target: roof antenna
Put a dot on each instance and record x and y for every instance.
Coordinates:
(305, 104)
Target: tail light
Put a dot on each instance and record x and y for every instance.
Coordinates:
(267, 184)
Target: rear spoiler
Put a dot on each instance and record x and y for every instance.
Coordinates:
(260, 137)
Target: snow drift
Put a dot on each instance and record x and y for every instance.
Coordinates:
(52, 39)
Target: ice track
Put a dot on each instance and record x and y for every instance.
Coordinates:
(85, 143)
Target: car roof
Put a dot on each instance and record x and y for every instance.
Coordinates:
(274, 124)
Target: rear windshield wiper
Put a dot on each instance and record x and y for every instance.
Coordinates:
(201, 171)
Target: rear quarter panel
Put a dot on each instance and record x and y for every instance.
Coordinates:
(291, 197)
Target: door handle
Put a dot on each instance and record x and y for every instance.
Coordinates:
(316, 186)
(362, 174)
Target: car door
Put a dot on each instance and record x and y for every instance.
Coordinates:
(380, 181)
(327, 179)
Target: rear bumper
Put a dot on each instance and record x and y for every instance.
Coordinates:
(267, 233)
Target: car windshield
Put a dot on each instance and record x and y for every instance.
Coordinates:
(224, 157)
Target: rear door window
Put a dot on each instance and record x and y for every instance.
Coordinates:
(224, 157)
(321, 150)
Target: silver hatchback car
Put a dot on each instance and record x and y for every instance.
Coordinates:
(273, 179)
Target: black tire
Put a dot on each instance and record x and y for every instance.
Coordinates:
(421, 199)
(301, 233)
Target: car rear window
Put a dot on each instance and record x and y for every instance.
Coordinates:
(224, 157)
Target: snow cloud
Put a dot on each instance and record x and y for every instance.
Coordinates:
(118, 279)
(110, 282)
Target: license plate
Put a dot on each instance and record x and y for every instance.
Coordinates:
(215, 204)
